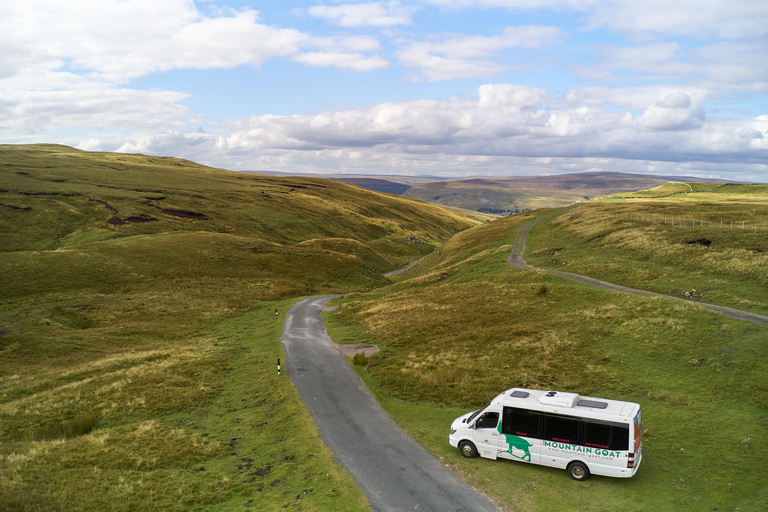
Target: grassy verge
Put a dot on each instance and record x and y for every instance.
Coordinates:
(470, 326)
(249, 444)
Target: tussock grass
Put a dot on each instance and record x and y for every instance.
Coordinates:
(428, 358)
(628, 244)
(78, 426)
(116, 390)
(175, 423)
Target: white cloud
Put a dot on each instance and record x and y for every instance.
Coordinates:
(346, 43)
(353, 61)
(89, 105)
(719, 66)
(64, 63)
(467, 56)
(65, 67)
(695, 19)
(676, 111)
(375, 14)
(118, 40)
(630, 98)
(503, 127)
(506, 120)
(434, 68)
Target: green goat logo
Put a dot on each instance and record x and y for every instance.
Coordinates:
(519, 443)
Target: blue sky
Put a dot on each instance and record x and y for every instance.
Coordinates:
(412, 87)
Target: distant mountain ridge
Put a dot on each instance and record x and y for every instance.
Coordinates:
(512, 194)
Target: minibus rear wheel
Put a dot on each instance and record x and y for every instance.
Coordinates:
(578, 471)
(468, 449)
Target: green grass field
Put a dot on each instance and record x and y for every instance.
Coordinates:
(137, 337)
(669, 246)
(207, 425)
(138, 340)
(469, 325)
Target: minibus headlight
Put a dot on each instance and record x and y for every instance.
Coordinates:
(453, 431)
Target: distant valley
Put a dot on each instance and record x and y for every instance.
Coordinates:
(508, 195)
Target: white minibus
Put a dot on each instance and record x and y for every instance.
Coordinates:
(582, 435)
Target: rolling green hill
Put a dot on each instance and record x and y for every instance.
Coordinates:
(507, 195)
(669, 189)
(515, 194)
(138, 338)
(464, 325)
(709, 237)
(63, 197)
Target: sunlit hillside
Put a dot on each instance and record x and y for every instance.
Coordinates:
(140, 316)
(464, 324)
(514, 194)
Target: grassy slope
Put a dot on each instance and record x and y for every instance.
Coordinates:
(137, 329)
(469, 325)
(634, 243)
(245, 441)
(55, 197)
(473, 214)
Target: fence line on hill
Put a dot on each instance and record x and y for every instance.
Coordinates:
(744, 226)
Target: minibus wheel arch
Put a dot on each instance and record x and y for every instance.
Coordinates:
(468, 449)
(578, 470)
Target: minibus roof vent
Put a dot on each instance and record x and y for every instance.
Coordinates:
(520, 394)
(592, 403)
(559, 398)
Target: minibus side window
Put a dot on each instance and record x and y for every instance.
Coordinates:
(562, 429)
(487, 420)
(609, 436)
(521, 422)
(620, 438)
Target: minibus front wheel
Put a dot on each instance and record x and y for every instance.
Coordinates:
(468, 449)
(578, 471)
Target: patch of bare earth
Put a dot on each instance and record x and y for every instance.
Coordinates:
(350, 349)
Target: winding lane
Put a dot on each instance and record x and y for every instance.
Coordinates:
(396, 472)
(515, 258)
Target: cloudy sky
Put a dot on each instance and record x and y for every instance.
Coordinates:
(436, 87)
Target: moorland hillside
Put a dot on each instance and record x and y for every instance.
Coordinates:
(137, 334)
(515, 194)
(464, 324)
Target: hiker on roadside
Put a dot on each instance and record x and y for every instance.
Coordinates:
(276, 313)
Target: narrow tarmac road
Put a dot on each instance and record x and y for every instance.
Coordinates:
(396, 472)
(515, 258)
